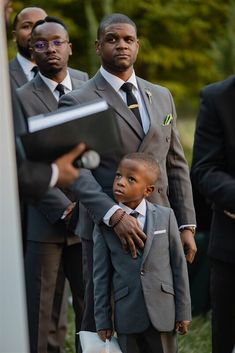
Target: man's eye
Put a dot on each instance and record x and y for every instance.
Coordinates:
(40, 45)
(57, 42)
(118, 176)
(111, 40)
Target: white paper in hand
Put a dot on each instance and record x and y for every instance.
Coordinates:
(91, 343)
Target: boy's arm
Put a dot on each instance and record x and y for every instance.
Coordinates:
(179, 272)
(102, 277)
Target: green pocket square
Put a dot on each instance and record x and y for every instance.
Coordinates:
(168, 119)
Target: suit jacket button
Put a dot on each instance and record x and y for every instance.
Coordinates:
(142, 272)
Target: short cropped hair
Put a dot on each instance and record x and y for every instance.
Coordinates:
(112, 19)
(50, 19)
(16, 18)
(151, 164)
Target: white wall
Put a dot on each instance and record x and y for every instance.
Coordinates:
(13, 324)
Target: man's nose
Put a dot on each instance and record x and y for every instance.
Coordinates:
(122, 43)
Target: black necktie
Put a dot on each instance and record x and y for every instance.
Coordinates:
(131, 100)
(134, 214)
(35, 70)
(60, 89)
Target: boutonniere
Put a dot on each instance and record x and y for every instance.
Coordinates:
(168, 119)
(149, 95)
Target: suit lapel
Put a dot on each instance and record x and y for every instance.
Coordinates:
(151, 226)
(43, 93)
(147, 96)
(106, 91)
(17, 73)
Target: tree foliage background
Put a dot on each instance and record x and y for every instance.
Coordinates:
(184, 44)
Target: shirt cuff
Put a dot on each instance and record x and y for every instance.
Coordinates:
(54, 175)
(109, 214)
(187, 225)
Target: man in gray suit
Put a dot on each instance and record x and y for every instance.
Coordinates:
(117, 45)
(151, 292)
(51, 250)
(23, 68)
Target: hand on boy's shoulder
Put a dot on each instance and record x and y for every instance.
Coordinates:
(181, 327)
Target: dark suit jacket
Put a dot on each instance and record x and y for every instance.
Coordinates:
(173, 187)
(44, 224)
(154, 287)
(213, 168)
(17, 75)
(33, 177)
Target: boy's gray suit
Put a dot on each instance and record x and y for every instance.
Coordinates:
(152, 288)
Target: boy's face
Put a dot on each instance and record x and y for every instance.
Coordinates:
(131, 183)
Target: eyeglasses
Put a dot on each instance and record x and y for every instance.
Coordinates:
(42, 45)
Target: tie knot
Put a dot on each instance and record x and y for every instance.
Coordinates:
(134, 214)
(60, 89)
(127, 87)
(35, 70)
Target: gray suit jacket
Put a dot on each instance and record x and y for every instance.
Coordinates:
(17, 75)
(173, 187)
(44, 224)
(152, 288)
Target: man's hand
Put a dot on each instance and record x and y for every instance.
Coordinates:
(181, 327)
(129, 232)
(189, 244)
(105, 334)
(67, 172)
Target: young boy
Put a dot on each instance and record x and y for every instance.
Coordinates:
(151, 292)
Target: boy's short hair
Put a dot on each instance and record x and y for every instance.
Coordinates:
(147, 159)
(114, 18)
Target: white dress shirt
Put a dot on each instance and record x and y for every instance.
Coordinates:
(26, 65)
(67, 83)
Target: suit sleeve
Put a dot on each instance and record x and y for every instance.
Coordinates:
(180, 189)
(209, 167)
(179, 271)
(89, 192)
(102, 270)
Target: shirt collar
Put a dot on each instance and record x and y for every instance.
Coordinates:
(67, 83)
(26, 64)
(141, 208)
(115, 81)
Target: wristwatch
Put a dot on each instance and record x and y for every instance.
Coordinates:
(191, 228)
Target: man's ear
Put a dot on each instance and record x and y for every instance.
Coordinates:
(13, 36)
(97, 46)
(149, 190)
(71, 46)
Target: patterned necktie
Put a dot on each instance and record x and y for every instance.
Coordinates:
(131, 100)
(35, 70)
(60, 89)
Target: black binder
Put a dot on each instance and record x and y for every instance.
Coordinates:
(54, 134)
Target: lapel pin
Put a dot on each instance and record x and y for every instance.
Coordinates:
(149, 95)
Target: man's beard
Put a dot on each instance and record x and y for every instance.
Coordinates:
(24, 51)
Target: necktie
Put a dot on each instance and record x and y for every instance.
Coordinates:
(135, 214)
(131, 100)
(60, 89)
(35, 70)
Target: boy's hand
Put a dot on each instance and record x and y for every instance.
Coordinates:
(181, 327)
(105, 334)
